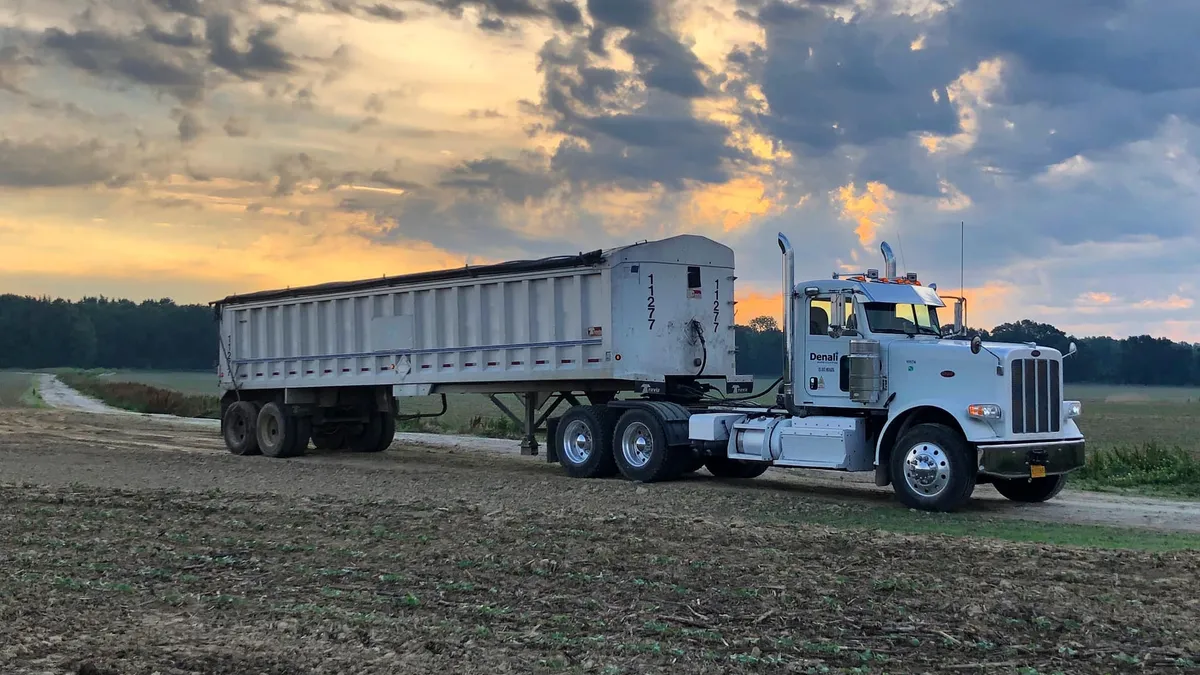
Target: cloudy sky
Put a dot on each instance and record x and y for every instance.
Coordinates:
(194, 148)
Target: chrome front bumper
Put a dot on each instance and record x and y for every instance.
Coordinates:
(1030, 460)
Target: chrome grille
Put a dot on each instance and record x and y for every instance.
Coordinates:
(1036, 396)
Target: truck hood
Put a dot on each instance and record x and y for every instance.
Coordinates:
(958, 351)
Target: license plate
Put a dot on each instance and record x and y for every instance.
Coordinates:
(1037, 471)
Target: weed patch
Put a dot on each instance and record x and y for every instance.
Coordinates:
(1166, 469)
(144, 398)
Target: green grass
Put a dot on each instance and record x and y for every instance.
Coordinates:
(16, 391)
(143, 398)
(903, 521)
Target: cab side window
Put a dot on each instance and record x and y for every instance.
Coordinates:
(819, 311)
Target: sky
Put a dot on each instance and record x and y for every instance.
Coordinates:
(197, 148)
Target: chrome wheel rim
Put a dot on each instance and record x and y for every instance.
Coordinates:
(577, 442)
(637, 445)
(926, 469)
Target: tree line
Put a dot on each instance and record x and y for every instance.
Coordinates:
(98, 332)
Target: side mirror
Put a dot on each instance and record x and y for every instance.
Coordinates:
(1071, 349)
(958, 316)
(837, 312)
(976, 344)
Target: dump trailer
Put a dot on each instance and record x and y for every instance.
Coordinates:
(872, 380)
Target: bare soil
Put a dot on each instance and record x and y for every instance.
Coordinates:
(132, 545)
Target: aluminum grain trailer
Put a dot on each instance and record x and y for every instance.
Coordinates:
(330, 363)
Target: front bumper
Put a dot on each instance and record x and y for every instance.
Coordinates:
(1030, 460)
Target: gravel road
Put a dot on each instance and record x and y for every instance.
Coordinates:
(89, 426)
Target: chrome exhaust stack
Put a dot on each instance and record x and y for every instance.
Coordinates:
(789, 335)
(889, 261)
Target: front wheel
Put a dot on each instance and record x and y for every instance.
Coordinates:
(1030, 489)
(932, 468)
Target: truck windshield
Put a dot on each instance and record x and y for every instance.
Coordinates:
(887, 317)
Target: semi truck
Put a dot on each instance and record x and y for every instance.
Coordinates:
(638, 342)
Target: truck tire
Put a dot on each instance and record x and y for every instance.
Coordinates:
(932, 468)
(1030, 489)
(239, 426)
(279, 431)
(583, 440)
(640, 448)
(724, 467)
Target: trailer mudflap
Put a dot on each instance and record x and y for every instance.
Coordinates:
(1031, 460)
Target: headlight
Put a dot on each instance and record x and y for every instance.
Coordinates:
(984, 411)
(1072, 409)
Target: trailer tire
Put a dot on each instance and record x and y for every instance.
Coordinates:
(371, 437)
(724, 467)
(387, 433)
(583, 441)
(1030, 490)
(942, 474)
(279, 431)
(239, 426)
(324, 439)
(640, 448)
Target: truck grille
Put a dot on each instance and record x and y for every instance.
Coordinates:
(1036, 396)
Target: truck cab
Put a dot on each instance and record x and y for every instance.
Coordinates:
(874, 381)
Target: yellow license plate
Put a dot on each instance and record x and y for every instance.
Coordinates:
(1037, 471)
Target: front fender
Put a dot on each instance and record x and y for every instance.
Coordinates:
(975, 430)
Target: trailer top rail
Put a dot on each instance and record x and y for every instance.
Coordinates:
(550, 263)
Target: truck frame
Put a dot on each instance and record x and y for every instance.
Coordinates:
(645, 333)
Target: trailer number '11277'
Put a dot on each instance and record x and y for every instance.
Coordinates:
(650, 304)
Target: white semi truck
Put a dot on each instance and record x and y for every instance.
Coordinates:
(872, 381)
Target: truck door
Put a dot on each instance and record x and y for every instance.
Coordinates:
(826, 359)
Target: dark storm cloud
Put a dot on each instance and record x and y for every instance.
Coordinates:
(500, 177)
(132, 58)
(631, 130)
(631, 14)
(831, 82)
(1079, 76)
(263, 55)
(190, 127)
(30, 164)
(383, 11)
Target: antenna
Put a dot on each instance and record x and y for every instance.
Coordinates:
(962, 248)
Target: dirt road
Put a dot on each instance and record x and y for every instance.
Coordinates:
(178, 435)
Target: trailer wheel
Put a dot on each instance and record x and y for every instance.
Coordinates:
(724, 467)
(279, 431)
(240, 428)
(640, 448)
(932, 469)
(387, 433)
(1030, 489)
(326, 439)
(375, 436)
(584, 441)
